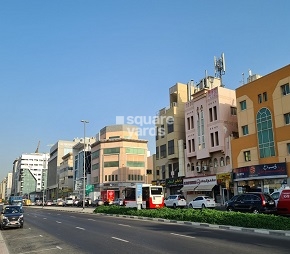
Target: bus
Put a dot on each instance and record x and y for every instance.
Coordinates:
(152, 196)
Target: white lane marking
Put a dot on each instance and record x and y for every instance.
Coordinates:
(92, 219)
(58, 221)
(33, 251)
(124, 225)
(44, 218)
(58, 214)
(80, 228)
(182, 235)
(72, 216)
(119, 239)
(26, 237)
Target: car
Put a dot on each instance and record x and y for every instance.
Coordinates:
(11, 217)
(118, 201)
(283, 205)
(253, 202)
(233, 198)
(76, 201)
(175, 201)
(98, 202)
(48, 203)
(80, 203)
(202, 202)
(275, 195)
(60, 202)
(68, 202)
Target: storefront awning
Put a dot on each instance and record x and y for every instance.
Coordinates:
(207, 187)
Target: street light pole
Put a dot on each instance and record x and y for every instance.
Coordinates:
(84, 169)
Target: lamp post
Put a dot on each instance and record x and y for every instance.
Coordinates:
(84, 169)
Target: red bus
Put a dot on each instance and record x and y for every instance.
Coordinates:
(152, 196)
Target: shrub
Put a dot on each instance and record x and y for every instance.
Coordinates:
(238, 219)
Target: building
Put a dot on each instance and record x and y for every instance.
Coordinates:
(29, 175)
(78, 165)
(65, 176)
(261, 154)
(119, 159)
(210, 123)
(170, 140)
(57, 152)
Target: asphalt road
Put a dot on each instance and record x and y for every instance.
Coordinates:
(52, 231)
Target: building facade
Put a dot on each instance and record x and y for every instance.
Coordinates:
(170, 140)
(119, 159)
(210, 123)
(261, 154)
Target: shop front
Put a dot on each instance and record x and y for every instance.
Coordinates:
(174, 185)
(264, 177)
(226, 187)
(200, 186)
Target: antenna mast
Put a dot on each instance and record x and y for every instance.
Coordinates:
(220, 67)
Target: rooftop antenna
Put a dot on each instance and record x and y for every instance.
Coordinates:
(220, 67)
(37, 148)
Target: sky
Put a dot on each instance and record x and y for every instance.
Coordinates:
(66, 61)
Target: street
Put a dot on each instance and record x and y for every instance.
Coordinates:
(52, 231)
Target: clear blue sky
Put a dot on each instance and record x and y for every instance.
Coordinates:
(64, 61)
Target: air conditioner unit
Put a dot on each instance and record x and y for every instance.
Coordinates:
(205, 168)
(198, 169)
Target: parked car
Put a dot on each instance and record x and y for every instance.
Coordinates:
(275, 195)
(253, 202)
(60, 202)
(76, 201)
(231, 200)
(175, 201)
(118, 201)
(202, 202)
(11, 216)
(283, 205)
(68, 202)
(97, 202)
(48, 202)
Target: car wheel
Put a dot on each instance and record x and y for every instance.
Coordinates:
(190, 206)
(255, 210)
(203, 206)
(174, 205)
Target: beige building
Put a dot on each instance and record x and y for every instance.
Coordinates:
(65, 176)
(119, 159)
(170, 140)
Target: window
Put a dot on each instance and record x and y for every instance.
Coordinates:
(210, 115)
(157, 152)
(247, 156)
(193, 145)
(243, 105)
(265, 96)
(132, 150)
(245, 130)
(157, 172)
(136, 164)
(113, 150)
(214, 113)
(192, 122)
(288, 148)
(106, 178)
(109, 164)
(217, 138)
(95, 154)
(162, 131)
(287, 118)
(212, 140)
(259, 98)
(188, 123)
(170, 147)
(189, 146)
(157, 134)
(233, 111)
(162, 151)
(285, 89)
(215, 162)
(265, 133)
(222, 161)
(170, 127)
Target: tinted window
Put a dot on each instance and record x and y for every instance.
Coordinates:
(268, 197)
(182, 197)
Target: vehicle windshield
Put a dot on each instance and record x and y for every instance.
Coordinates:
(9, 210)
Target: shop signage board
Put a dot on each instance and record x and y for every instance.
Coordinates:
(196, 181)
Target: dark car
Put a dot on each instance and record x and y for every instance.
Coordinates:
(253, 202)
(11, 217)
(80, 203)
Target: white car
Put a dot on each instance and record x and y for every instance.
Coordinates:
(175, 201)
(202, 202)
